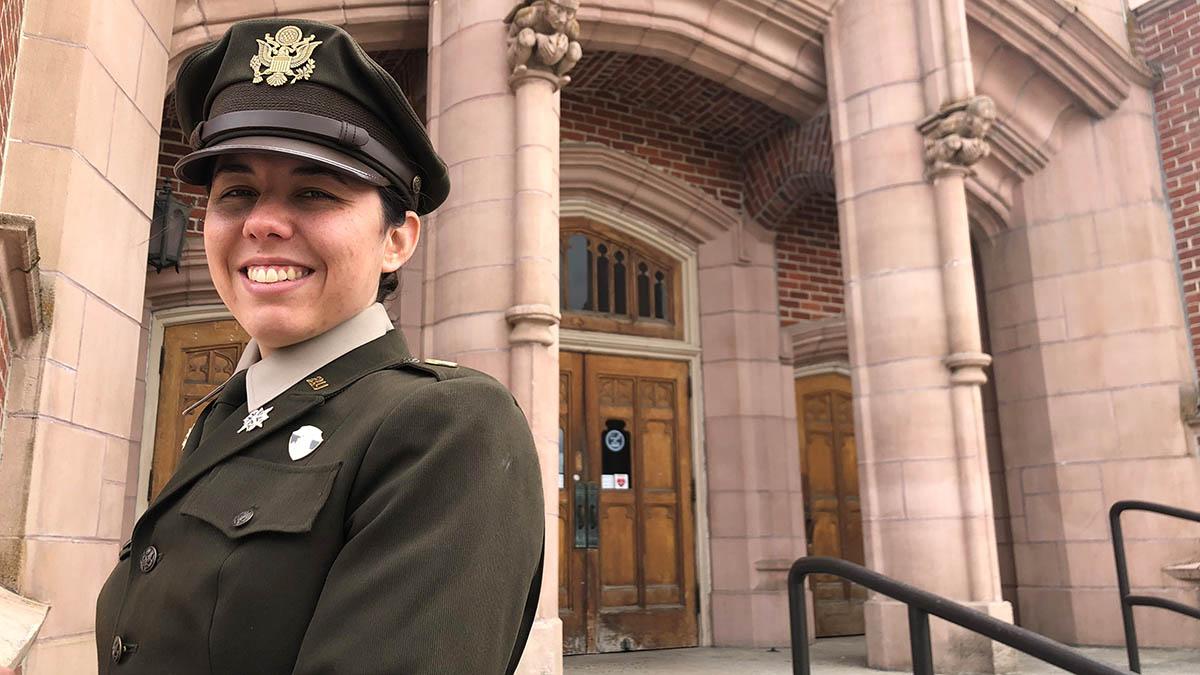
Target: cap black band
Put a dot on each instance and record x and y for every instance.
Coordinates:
(353, 138)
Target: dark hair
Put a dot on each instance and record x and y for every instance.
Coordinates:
(395, 205)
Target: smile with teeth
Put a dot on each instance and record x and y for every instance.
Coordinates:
(269, 274)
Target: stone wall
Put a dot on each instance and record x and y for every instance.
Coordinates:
(85, 108)
(1167, 35)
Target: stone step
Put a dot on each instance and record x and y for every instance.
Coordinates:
(831, 656)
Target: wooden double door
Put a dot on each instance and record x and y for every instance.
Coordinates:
(832, 508)
(626, 540)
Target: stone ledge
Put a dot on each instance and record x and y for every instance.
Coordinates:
(20, 281)
(1097, 71)
(1184, 571)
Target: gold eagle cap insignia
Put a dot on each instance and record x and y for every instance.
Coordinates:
(287, 54)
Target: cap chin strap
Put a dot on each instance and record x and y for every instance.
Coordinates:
(301, 125)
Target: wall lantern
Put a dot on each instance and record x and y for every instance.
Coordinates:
(167, 229)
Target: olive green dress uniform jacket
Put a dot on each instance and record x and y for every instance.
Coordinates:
(409, 542)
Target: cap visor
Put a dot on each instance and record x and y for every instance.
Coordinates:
(196, 168)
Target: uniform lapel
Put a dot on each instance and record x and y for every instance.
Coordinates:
(221, 441)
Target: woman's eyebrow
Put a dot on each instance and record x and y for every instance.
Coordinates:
(230, 167)
(317, 170)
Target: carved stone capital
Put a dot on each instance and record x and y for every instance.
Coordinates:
(532, 323)
(543, 36)
(955, 138)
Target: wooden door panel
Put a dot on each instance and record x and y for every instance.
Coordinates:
(196, 358)
(658, 455)
(572, 562)
(829, 469)
(640, 579)
(646, 579)
(663, 573)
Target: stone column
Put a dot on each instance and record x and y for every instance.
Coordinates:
(913, 331)
(954, 141)
(533, 323)
(81, 159)
(491, 275)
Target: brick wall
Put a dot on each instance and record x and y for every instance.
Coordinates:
(10, 39)
(1168, 37)
(808, 261)
(684, 124)
(11, 12)
(407, 66)
(737, 150)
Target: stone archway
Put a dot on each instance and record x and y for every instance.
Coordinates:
(395, 24)
(777, 62)
(747, 400)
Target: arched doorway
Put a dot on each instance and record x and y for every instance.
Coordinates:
(627, 572)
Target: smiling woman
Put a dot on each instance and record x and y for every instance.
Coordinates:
(289, 243)
(339, 506)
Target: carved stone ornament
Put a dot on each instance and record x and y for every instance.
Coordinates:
(543, 36)
(956, 137)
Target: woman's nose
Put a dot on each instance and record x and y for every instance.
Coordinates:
(267, 218)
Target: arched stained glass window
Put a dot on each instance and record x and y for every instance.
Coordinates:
(614, 284)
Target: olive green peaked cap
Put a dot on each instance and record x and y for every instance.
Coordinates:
(305, 89)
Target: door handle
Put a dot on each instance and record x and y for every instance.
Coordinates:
(593, 526)
(582, 500)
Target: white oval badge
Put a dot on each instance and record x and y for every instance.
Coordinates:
(304, 440)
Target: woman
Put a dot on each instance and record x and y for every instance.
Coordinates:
(340, 506)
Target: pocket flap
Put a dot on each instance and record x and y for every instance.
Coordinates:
(244, 496)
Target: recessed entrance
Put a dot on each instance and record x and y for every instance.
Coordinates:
(627, 576)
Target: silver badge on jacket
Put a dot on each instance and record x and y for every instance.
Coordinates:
(304, 440)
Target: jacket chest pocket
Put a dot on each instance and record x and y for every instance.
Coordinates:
(246, 496)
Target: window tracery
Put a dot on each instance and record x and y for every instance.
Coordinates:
(614, 284)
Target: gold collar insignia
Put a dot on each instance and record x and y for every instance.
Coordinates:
(287, 54)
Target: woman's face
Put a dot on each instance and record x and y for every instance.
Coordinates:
(294, 248)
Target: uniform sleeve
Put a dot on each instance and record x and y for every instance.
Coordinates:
(444, 536)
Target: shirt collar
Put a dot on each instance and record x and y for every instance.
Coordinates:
(269, 377)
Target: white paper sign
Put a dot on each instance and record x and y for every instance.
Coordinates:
(607, 482)
(621, 480)
(20, 621)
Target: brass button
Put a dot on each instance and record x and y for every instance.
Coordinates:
(242, 518)
(148, 560)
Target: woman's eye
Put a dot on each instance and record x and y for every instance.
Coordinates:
(316, 194)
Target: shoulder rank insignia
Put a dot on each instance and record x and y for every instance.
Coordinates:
(439, 362)
(287, 54)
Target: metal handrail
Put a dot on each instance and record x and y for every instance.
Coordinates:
(1129, 601)
(920, 605)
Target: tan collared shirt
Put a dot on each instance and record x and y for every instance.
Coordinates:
(271, 376)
